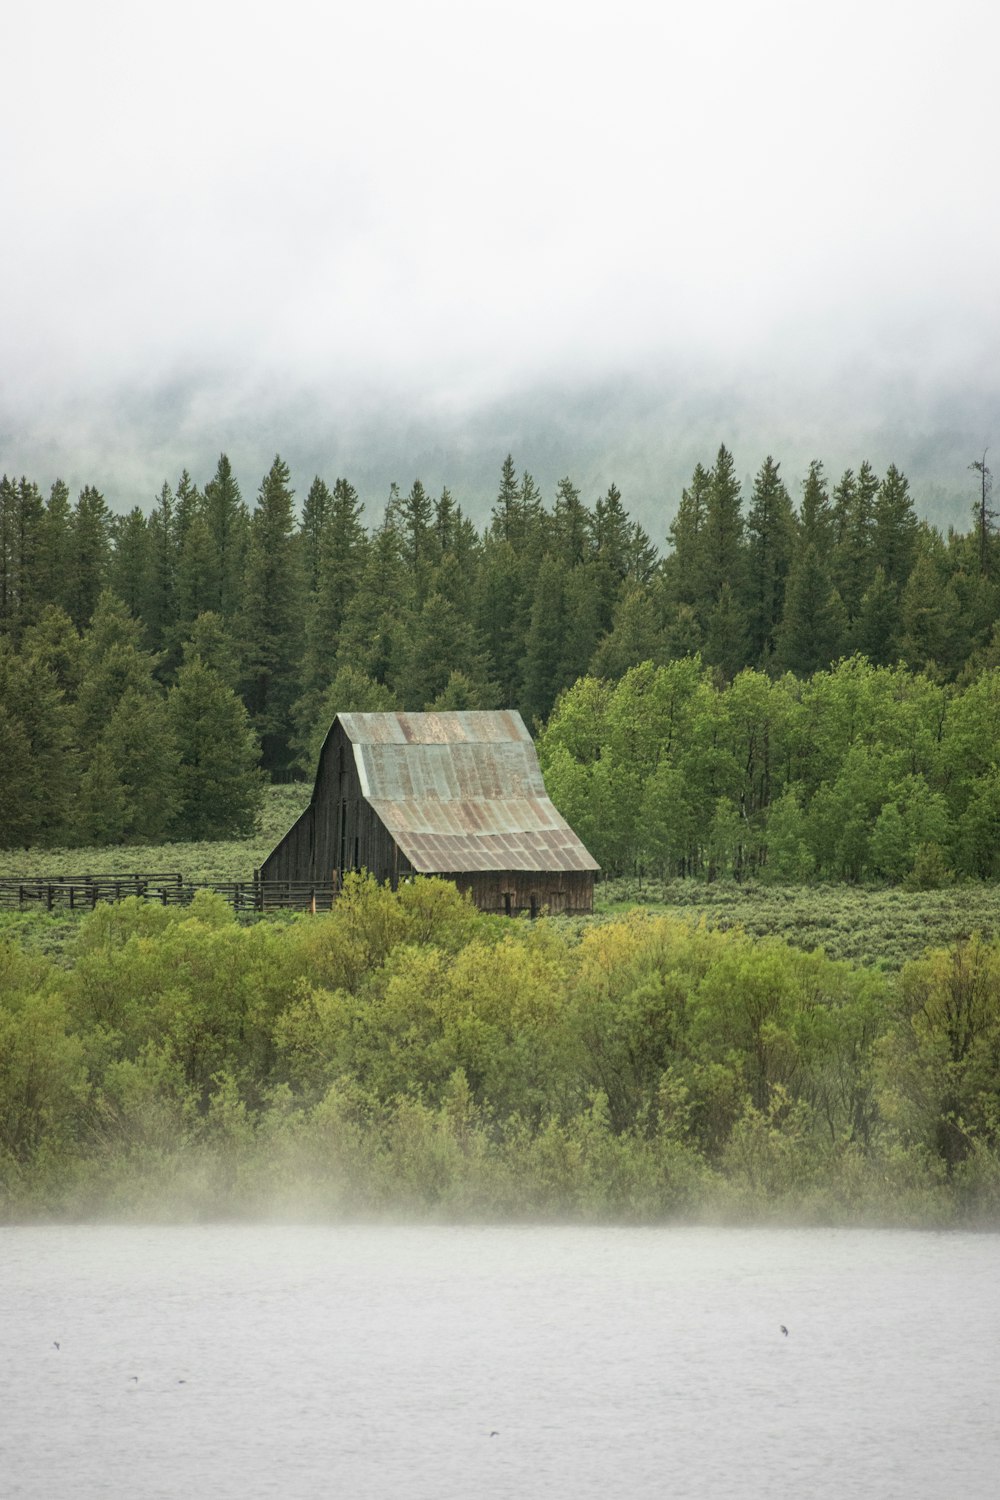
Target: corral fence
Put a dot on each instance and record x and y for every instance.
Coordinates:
(83, 892)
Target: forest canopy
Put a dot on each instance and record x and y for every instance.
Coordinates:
(156, 666)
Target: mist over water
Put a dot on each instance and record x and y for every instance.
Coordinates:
(449, 1362)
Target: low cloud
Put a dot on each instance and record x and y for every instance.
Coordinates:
(394, 242)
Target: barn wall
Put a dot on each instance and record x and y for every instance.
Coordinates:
(338, 832)
(349, 835)
(291, 860)
(512, 892)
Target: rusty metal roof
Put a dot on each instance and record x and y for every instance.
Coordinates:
(479, 728)
(461, 792)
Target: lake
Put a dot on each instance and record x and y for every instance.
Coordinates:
(250, 1361)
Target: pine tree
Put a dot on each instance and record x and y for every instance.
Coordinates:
(502, 615)
(460, 694)
(727, 640)
(159, 607)
(100, 814)
(197, 572)
(415, 516)
(613, 540)
(445, 524)
(90, 551)
(373, 633)
(18, 814)
(685, 570)
(876, 630)
(54, 641)
(613, 535)
(771, 531)
(725, 558)
(572, 525)
(138, 741)
(314, 514)
(852, 545)
(55, 548)
(341, 551)
(813, 628)
(842, 505)
(817, 522)
(641, 561)
(505, 518)
(894, 521)
(227, 523)
(930, 617)
(635, 636)
(682, 632)
(543, 648)
(187, 503)
(21, 519)
(113, 664)
(210, 641)
(979, 607)
(583, 627)
(516, 517)
(36, 720)
(984, 516)
(8, 555)
(454, 580)
(532, 522)
(130, 568)
(272, 619)
(219, 788)
(439, 641)
(29, 521)
(853, 554)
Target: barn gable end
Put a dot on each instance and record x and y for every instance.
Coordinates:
(453, 794)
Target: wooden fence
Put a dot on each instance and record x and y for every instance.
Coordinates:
(82, 892)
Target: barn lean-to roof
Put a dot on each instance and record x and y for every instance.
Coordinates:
(461, 792)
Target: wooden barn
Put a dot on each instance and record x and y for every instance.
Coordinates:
(459, 795)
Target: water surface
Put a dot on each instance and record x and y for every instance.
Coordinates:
(433, 1362)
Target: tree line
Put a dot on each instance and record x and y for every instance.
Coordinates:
(859, 772)
(303, 614)
(409, 1053)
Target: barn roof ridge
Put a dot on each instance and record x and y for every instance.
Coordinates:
(445, 727)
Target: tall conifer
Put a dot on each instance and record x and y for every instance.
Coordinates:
(272, 624)
(90, 549)
(771, 530)
(227, 525)
(725, 556)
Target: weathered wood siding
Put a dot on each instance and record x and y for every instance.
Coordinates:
(512, 892)
(338, 832)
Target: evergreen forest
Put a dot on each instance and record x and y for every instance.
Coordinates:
(797, 687)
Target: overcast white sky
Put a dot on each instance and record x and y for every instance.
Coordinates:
(396, 238)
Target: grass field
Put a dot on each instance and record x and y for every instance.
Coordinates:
(876, 927)
(234, 859)
(872, 926)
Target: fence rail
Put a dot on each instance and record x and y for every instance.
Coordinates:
(79, 892)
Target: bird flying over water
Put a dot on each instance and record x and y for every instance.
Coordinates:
(784, 1330)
